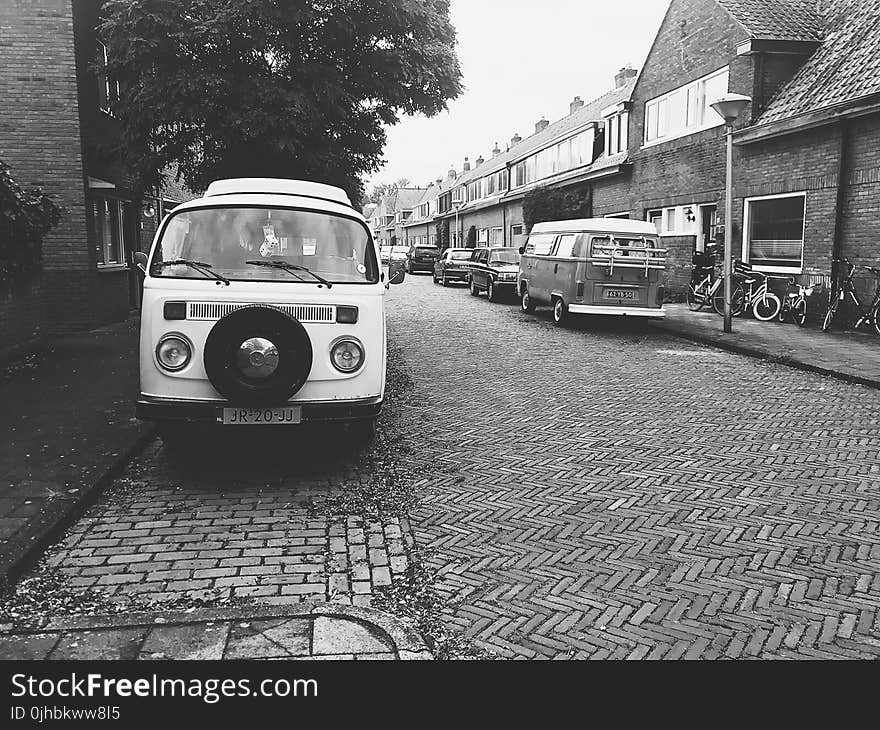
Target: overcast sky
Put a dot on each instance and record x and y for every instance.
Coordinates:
(521, 60)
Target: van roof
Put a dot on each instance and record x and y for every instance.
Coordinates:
(277, 186)
(602, 225)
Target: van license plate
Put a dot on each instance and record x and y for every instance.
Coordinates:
(620, 294)
(262, 416)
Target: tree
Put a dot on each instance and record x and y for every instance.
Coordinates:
(557, 204)
(443, 234)
(472, 237)
(26, 216)
(384, 189)
(303, 89)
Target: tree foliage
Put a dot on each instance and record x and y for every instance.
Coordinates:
(443, 234)
(289, 88)
(557, 204)
(26, 216)
(472, 237)
(384, 189)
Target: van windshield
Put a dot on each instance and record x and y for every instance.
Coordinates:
(333, 247)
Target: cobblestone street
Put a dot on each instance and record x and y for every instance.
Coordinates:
(606, 490)
(600, 490)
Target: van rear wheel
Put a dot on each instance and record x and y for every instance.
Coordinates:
(560, 311)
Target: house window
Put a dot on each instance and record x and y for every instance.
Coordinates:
(496, 237)
(108, 90)
(483, 237)
(108, 215)
(656, 217)
(774, 233)
(616, 134)
(687, 109)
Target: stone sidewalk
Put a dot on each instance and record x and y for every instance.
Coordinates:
(67, 426)
(321, 631)
(850, 356)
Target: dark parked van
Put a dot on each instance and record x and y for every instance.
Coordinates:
(605, 266)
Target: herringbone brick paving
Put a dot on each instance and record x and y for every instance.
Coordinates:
(608, 491)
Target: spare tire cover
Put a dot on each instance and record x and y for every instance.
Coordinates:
(227, 347)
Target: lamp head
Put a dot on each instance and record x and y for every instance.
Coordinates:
(730, 107)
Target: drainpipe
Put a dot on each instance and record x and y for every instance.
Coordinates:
(842, 171)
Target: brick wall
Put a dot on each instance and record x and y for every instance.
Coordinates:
(40, 138)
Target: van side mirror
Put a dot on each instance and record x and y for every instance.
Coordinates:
(140, 260)
(397, 276)
(522, 250)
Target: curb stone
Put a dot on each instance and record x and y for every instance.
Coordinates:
(759, 354)
(407, 643)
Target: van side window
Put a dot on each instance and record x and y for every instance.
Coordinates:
(541, 244)
(565, 246)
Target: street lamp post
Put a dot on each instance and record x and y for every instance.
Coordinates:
(730, 107)
(458, 205)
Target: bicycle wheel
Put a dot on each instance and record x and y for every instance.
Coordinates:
(800, 313)
(737, 301)
(829, 315)
(767, 307)
(696, 296)
(875, 318)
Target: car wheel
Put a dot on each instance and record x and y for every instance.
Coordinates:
(526, 303)
(473, 287)
(560, 311)
(491, 292)
(445, 281)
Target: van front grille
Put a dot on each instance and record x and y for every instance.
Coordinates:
(305, 313)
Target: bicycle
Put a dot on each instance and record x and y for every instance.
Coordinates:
(762, 302)
(840, 289)
(701, 293)
(794, 305)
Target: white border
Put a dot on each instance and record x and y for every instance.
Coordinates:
(747, 222)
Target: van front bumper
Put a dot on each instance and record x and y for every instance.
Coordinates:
(616, 311)
(160, 409)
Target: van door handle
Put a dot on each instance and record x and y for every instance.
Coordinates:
(556, 268)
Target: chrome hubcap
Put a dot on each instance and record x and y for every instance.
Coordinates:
(257, 358)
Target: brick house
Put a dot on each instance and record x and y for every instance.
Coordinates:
(568, 153)
(392, 213)
(811, 69)
(56, 133)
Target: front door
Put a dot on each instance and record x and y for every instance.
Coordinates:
(708, 226)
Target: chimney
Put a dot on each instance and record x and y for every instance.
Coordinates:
(515, 140)
(496, 151)
(479, 161)
(439, 181)
(623, 76)
(467, 165)
(541, 125)
(578, 103)
(452, 174)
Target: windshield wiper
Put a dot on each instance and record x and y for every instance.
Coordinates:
(290, 269)
(199, 266)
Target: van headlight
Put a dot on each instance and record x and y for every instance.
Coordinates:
(347, 354)
(174, 352)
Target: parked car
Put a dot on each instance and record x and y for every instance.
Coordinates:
(263, 304)
(494, 271)
(593, 266)
(421, 258)
(452, 265)
(399, 253)
(385, 254)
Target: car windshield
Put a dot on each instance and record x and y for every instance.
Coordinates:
(504, 256)
(400, 249)
(331, 246)
(460, 254)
